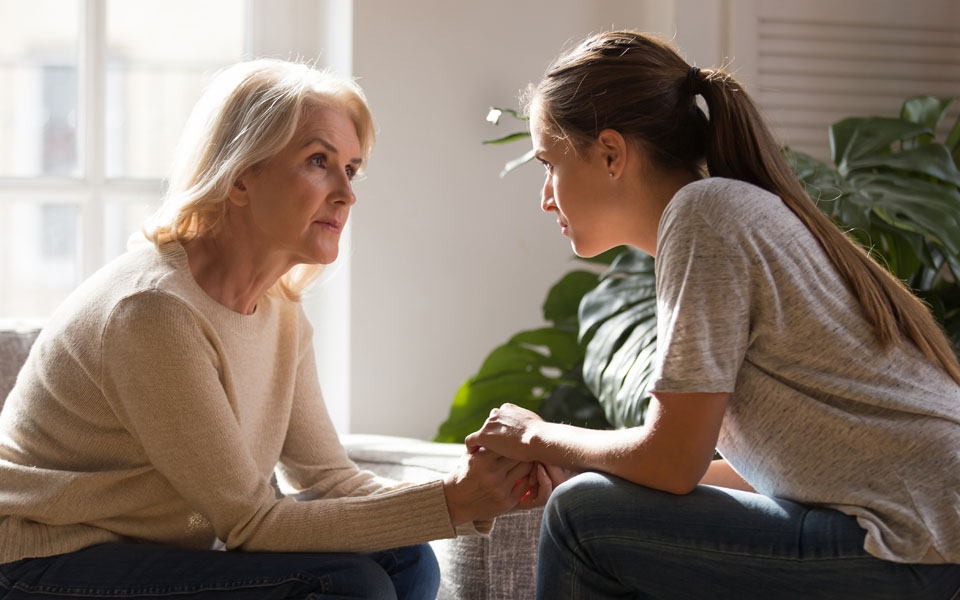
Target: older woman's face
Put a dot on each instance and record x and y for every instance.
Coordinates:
(298, 201)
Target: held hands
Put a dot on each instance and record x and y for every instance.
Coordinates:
(485, 485)
(542, 481)
(509, 431)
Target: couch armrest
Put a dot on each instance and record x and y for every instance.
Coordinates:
(16, 338)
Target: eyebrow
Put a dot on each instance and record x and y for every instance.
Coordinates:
(330, 147)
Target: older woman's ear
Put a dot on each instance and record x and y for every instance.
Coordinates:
(238, 193)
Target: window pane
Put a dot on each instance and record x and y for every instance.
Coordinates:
(38, 256)
(160, 55)
(38, 80)
(123, 218)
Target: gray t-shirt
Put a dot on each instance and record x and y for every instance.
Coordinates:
(748, 303)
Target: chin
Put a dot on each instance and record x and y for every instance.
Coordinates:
(322, 256)
(589, 250)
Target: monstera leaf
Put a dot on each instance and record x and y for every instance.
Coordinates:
(618, 323)
(897, 191)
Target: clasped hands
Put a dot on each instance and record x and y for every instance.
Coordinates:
(499, 471)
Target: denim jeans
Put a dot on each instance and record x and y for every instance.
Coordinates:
(141, 571)
(603, 537)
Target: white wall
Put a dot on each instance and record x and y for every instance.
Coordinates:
(448, 260)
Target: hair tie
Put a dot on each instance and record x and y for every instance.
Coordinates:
(692, 83)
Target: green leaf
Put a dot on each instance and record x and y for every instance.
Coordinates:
(630, 262)
(615, 347)
(574, 405)
(618, 323)
(562, 346)
(953, 140)
(522, 371)
(856, 137)
(929, 159)
(475, 399)
(911, 204)
(563, 299)
(613, 295)
(853, 212)
(513, 137)
(513, 164)
(633, 397)
(924, 110)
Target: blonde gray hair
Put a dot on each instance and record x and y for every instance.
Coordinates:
(248, 114)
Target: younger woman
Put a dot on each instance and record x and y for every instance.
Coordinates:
(828, 388)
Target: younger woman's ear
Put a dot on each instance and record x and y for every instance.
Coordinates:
(613, 150)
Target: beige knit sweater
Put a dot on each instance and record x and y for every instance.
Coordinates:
(147, 411)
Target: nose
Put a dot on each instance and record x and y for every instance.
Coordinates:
(343, 192)
(546, 196)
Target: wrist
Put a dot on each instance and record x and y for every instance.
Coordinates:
(536, 438)
(450, 490)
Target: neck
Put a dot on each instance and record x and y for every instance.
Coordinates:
(232, 269)
(656, 193)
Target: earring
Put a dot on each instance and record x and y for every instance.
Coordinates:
(611, 175)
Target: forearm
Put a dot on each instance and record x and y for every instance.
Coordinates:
(633, 454)
(670, 451)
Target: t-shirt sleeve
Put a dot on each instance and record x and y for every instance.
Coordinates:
(703, 298)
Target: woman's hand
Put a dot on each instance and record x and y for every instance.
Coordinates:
(543, 480)
(509, 431)
(485, 485)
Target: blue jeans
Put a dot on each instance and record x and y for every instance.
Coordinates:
(603, 537)
(141, 571)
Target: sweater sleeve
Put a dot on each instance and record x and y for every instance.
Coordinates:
(160, 372)
(313, 464)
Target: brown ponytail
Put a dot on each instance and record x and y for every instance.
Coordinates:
(639, 86)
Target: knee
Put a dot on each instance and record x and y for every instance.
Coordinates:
(367, 579)
(421, 565)
(575, 498)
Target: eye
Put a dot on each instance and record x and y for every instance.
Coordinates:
(351, 172)
(319, 160)
(546, 165)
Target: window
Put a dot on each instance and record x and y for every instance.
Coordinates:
(95, 93)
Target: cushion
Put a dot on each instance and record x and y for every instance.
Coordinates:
(16, 338)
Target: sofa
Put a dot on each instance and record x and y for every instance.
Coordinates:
(501, 565)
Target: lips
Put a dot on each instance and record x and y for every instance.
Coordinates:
(330, 224)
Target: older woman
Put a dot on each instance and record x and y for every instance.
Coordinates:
(162, 395)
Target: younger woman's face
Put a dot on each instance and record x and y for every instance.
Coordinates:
(577, 189)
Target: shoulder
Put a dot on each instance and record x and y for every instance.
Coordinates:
(149, 314)
(720, 200)
(731, 209)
